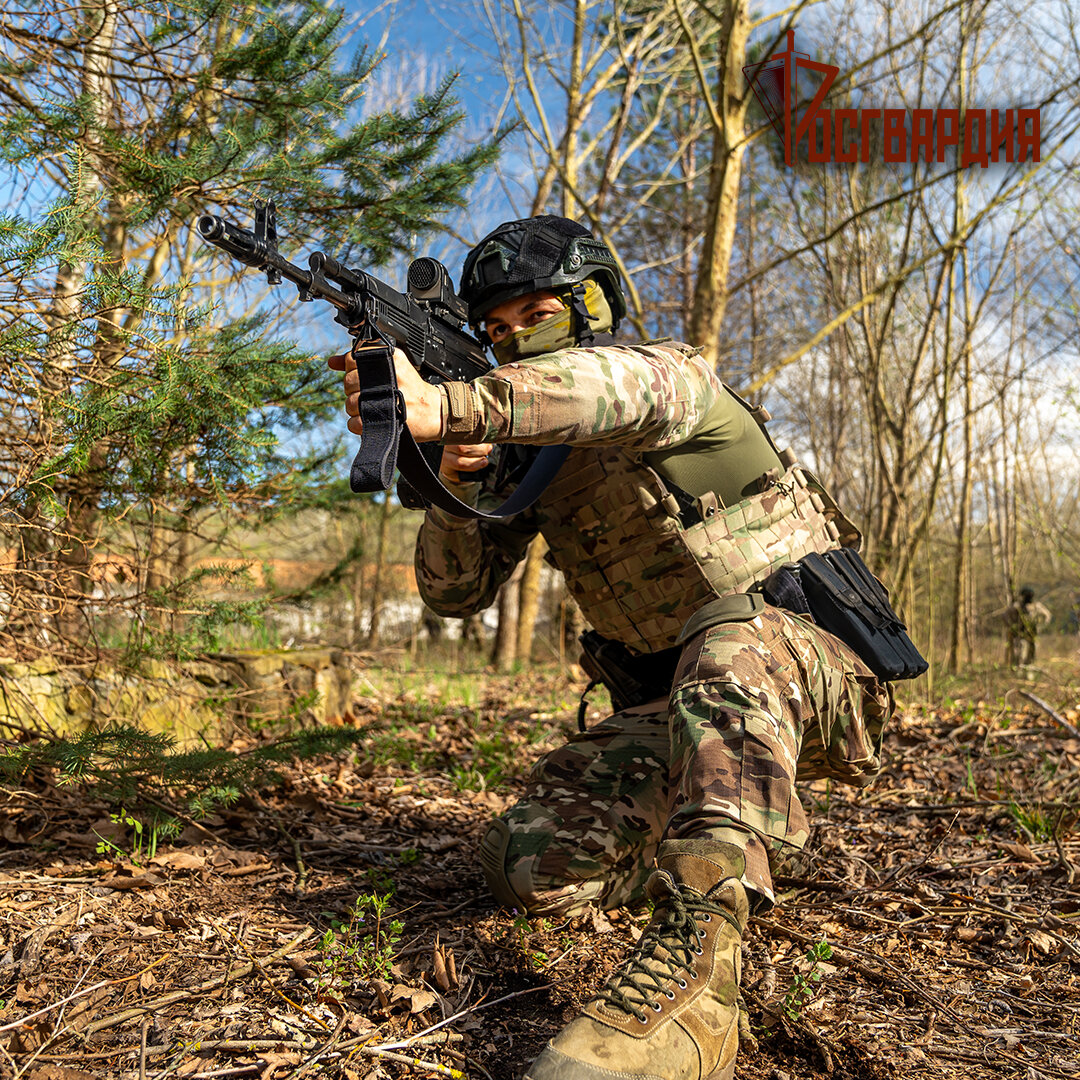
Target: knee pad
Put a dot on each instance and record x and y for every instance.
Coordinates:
(493, 850)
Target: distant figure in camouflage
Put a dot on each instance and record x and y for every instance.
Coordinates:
(1023, 620)
(670, 511)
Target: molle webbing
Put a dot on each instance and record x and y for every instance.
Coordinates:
(638, 574)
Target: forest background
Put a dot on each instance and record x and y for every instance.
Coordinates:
(178, 542)
(172, 455)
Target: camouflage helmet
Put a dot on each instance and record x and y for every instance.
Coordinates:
(537, 253)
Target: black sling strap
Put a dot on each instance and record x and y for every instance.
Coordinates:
(415, 468)
(387, 442)
(382, 411)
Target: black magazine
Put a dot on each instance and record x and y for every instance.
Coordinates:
(848, 601)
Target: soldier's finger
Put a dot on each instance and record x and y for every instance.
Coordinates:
(352, 382)
(352, 404)
(470, 464)
(336, 362)
(355, 425)
(470, 449)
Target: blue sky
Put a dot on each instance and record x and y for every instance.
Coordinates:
(442, 33)
(424, 41)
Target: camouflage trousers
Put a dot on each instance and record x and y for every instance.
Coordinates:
(1021, 650)
(754, 706)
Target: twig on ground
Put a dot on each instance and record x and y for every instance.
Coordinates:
(187, 819)
(903, 870)
(194, 991)
(81, 993)
(238, 1071)
(791, 1020)
(840, 954)
(301, 867)
(1063, 862)
(1012, 916)
(476, 1008)
(438, 1038)
(1051, 712)
(416, 1063)
(431, 916)
(269, 981)
(326, 1048)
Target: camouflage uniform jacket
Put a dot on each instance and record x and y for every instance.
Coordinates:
(1025, 618)
(635, 565)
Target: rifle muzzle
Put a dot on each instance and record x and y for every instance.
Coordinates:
(239, 243)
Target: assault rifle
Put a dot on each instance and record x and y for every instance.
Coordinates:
(426, 322)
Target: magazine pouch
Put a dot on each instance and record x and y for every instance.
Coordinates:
(848, 601)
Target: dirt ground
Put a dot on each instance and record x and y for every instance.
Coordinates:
(336, 923)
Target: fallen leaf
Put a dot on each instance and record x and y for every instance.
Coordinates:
(421, 1000)
(273, 1063)
(382, 991)
(230, 856)
(179, 860)
(1019, 851)
(243, 871)
(418, 999)
(442, 967)
(600, 922)
(145, 880)
(1040, 942)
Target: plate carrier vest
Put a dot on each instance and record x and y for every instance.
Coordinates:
(635, 566)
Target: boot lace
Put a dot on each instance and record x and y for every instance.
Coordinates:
(666, 949)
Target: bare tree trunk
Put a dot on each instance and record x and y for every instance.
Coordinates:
(356, 593)
(504, 651)
(472, 631)
(959, 645)
(378, 583)
(65, 548)
(529, 599)
(722, 204)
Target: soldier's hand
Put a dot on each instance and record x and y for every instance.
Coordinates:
(458, 459)
(422, 400)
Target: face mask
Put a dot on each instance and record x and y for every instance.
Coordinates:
(556, 332)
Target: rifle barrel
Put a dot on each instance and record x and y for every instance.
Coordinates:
(246, 247)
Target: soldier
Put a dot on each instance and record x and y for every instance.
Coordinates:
(1023, 620)
(672, 507)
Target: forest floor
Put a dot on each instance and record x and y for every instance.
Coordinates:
(337, 924)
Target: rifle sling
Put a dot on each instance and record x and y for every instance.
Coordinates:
(425, 480)
(383, 414)
(387, 442)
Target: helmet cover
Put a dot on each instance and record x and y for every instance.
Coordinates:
(535, 254)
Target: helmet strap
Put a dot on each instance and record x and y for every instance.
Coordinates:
(582, 319)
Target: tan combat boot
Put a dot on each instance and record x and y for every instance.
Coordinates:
(670, 1012)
